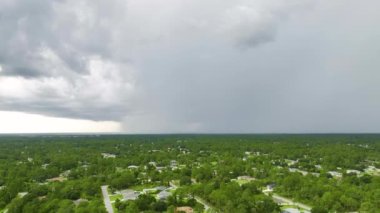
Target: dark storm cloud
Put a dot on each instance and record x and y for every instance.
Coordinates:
(59, 52)
(194, 66)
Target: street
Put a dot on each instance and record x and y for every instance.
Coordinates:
(106, 198)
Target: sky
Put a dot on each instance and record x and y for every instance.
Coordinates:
(190, 66)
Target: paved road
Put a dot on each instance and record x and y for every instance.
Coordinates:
(291, 202)
(279, 199)
(198, 199)
(201, 201)
(106, 199)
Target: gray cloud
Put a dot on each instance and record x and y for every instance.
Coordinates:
(194, 66)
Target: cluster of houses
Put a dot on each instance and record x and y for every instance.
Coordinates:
(304, 173)
(173, 166)
(162, 193)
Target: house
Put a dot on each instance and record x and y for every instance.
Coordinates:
(79, 201)
(353, 171)
(186, 209)
(152, 163)
(129, 194)
(270, 187)
(291, 162)
(304, 173)
(56, 179)
(22, 194)
(160, 168)
(335, 174)
(173, 163)
(246, 177)
(65, 173)
(372, 170)
(108, 155)
(315, 174)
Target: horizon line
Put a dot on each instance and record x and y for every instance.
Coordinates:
(190, 133)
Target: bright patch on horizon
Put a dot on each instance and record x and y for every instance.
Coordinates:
(19, 122)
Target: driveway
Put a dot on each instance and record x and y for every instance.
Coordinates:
(106, 199)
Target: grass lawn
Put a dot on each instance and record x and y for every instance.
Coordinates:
(176, 182)
(116, 196)
(172, 190)
(241, 182)
(145, 186)
(115, 210)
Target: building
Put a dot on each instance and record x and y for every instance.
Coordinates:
(152, 163)
(108, 155)
(129, 194)
(173, 163)
(160, 168)
(304, 173)
(335, 174)
(353, 171)
(79, 201)
(246, 177)
(270, 187)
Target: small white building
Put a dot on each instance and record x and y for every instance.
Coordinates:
(353, 171)
(335, 174)
(270, 187)
(160, 168)
(152, 163)
(173, 163)
(108, 155)
(129, 194)
(304, 173)
(246, 177)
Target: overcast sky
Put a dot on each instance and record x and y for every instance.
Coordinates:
(172, 66)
